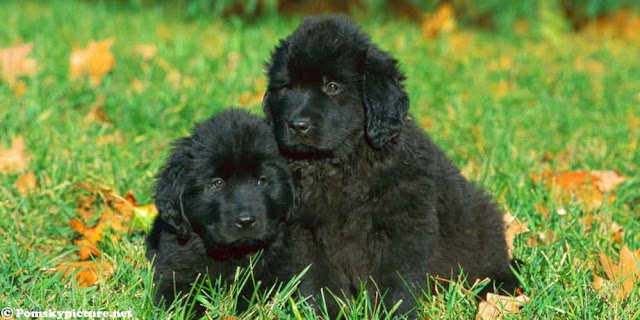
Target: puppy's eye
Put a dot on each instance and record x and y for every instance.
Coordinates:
(217, 183)
(332, 89)
(262, 181)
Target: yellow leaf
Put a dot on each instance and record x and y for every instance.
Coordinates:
(96, 113)
(26, 183)
(588, 187)
(14, 64)
(14, 159)
(143, 216)
(624, 275)
(95, 61)
(496, 306)
(441, 21)
(513, 227)
(86, 273)
(146, 51)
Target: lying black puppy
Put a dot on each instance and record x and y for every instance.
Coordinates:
(383, 201)
(224, 194)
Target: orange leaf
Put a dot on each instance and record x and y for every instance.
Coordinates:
(624, 275)
(95, 61)
(86, 273)
(146, 51)
(26, 183)
(588, 187)
(116, 215)
(84, 207)
(13, 62)
(441, 21)
(540, 208)
(90, 237)
(13, 160)
(513, 227)
(618, 233)
(96, 113)
(496, 306)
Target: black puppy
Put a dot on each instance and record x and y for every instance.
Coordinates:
(383, 201)
(225, 193)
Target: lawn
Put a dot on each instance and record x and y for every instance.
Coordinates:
(503, 106)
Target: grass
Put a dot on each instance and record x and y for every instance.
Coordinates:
(496, 103)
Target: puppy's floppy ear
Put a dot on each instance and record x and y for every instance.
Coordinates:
(276, 71)
(266, 109)
(170, 187)
(386, 102)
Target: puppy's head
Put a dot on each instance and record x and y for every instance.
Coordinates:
(226, 182)
(331, 88)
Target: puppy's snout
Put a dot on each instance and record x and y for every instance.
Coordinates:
(245, 219)
(299, 125)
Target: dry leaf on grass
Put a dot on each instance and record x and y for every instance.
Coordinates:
(513, 227)
(440, 21)
(623, 276)
(587, 187)
(14, 159)
(26, 183)
(146, 51)
(618, 233)
(496, 306)
(90, 237)
(95, 112)
(86, 273)
(14, 62)
(95, 61)
(117, 212)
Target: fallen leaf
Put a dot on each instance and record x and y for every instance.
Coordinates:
(622, 24)
(143, 216)
(138, 86)
(14, 159)
(618, 233)
(622, 276)
(174, 78)
(114, 138)
(19, 88)
(540, 208)
(86, 273)
(14, 62)
(248, 99)
(26, 183)
(146, 51)
(540, 238)
(440, 21)
(84, 207)
(587, 222)
(95, 112)
(587, 187)
(95, 61)
(513, 227)
(496, 306)
(90, 237)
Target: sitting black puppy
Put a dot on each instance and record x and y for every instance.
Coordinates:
(383, 201)
(224, 194)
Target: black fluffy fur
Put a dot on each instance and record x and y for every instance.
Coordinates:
(196, 232)
(382, 200)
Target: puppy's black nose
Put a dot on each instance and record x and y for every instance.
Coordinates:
(299, 125)
(245, 219)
